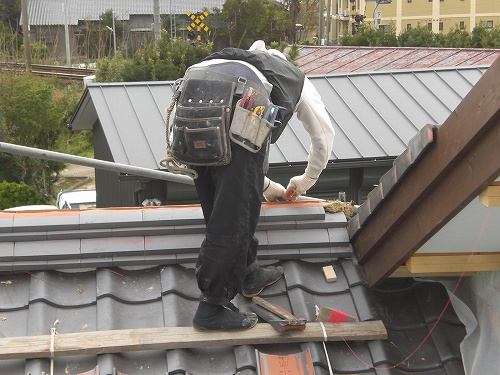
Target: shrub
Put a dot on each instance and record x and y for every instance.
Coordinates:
(13, 194)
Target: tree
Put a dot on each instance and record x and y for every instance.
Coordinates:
(10, 11)
(455, 38)
(419, 36)
(167, 60)
(244, 19)
(368, 36)
(33, 112)
(13, 195)
(482, 37)
(308, 17)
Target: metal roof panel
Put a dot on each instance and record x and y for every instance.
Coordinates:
(346, 59)
(52, 12)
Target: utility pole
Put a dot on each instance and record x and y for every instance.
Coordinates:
(321, 8)
(156, 19)
(26, 34)
(328, 21)
(66, 33)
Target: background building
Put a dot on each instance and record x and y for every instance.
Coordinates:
(438, 15)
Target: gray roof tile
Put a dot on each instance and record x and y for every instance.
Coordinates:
(95, 219)
(30, 221)
(6, 222)
(107, 297)
(167, 296)
(6, 251)
(45, 250)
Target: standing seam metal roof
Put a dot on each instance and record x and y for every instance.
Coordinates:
(51, 12)
(374, 114)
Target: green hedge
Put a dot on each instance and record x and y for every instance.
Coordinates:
(13, 194)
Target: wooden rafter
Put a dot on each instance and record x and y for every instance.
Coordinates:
(463, 159)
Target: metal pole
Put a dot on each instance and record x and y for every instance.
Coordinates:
(94, 163)
(66, 34)
(328, 21)
(114, 31)
(26, 34)
(321, 11)
(171, 25)
(156, 19)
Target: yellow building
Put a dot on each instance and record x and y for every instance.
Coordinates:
(438, 15)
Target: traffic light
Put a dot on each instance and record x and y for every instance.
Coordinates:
(359, 18)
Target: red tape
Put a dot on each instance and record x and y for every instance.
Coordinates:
(337, 316)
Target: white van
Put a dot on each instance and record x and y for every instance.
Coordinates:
(76, 199)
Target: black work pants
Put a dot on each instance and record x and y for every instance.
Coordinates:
(231, 198)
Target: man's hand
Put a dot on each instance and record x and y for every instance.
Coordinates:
(297, 186)
(273, 191)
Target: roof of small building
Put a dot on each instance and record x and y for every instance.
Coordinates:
(52, 12)
(315, 60)
(374, 114)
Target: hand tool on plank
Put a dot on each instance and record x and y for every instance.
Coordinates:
(278, 317)
(328, 314)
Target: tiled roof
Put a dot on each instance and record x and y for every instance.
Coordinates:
(62, 239)
(347, 59)
(64, 267)
(166, 296)
(51, 12)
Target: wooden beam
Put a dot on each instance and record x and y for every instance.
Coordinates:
(117, 341)
(452, 172)
(490, 196)
(462, 184)
(403, 271)
(432, 263)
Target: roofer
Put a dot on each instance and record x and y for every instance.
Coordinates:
(255, 92)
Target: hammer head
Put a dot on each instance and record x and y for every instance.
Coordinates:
(279, 318)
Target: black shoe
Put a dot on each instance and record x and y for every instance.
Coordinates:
(256, 281)
(233, 308)
(221, 318)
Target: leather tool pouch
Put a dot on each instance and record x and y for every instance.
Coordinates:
(200, 132)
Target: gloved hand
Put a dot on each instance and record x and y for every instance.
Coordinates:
(297, 186)
(273, 191)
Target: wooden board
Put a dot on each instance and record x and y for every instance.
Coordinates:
(490, 196)
(431, 263)
(402, 271)
(100, 342)
(329, 273)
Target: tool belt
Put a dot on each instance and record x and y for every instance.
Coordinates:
(204, 124)
(201, 123)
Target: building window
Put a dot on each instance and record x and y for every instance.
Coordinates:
(408, 27)
(409, 1)
(487, 24)
(386, 28)
(440, 26)
(429, 26)
(462, 25)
